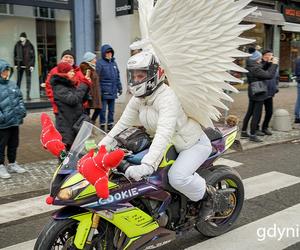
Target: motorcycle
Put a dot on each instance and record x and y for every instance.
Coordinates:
(142, 214)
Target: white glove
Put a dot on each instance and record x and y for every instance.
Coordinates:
(31, 69)
(136, 172)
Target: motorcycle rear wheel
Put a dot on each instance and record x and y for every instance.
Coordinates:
(59, 234)
(219, 176)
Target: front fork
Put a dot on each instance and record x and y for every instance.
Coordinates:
(88, 223)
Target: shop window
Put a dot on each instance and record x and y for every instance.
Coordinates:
(6, 9)
(49, 32)
(42, 12)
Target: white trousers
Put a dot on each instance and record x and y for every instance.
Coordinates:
(182, 174)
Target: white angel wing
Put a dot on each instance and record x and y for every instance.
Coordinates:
(195, 42)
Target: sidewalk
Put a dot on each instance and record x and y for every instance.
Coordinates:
(41, 165)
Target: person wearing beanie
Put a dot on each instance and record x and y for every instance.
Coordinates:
(23, 34)
(67, 56)
(69, 98)
(24, 60)
(11, 117)
(68, 53)
(88, 68)
(255, 56)
(256, 74)
(110, 83)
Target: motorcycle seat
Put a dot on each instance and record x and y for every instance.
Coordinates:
(213, 134)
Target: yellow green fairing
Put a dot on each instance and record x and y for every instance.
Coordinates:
(230, 140)
(84, 226)
(169, 156)
(133, 222)
(78, 177)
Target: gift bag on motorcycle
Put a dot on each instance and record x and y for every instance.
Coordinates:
(134, 139)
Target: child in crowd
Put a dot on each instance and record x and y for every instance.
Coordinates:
(12, 112)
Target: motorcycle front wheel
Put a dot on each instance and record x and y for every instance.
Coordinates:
(224, 177)
(60, 234)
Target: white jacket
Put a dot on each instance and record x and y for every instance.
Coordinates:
(162, 116)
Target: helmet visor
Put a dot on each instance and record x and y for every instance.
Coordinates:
(137, 76)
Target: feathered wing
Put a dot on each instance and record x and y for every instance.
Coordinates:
(196, 42)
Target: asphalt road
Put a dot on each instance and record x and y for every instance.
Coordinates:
(263, 167)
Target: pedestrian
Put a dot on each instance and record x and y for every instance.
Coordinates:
(272, 86)
(256, 74)
(68, 57)
(68, 97)
(297, 105)
(88, 68)
(12, 112)
(110, 83)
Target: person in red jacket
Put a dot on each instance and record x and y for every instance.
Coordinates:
(66, 57)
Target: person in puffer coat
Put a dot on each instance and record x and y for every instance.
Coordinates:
(12, 112)
(110, 83)
(68, 99)
(256, 102)
(155, 106)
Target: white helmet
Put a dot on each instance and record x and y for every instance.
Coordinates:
(144, 74)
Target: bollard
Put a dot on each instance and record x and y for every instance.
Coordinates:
(281, 120)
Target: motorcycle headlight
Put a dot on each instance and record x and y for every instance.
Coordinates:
(72, 191)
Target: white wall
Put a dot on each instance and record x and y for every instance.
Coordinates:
(119, 32)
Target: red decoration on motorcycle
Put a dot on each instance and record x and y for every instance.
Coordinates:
(50, 138)
(96, 169)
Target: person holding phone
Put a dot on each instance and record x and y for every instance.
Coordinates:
(272, 84)
(88, 68)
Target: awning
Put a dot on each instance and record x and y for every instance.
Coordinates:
(293, 27)
(266, 16)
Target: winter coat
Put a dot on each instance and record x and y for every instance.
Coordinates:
(109, 75)
(79, 77)
(12, 108)
(68, 99)
(272, 84)
(162, 115)
(24, 55)
(95, 92)
(257, 73)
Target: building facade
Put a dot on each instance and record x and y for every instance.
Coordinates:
(51, 26)
(289, 38)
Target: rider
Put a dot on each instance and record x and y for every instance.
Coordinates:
(158, 109)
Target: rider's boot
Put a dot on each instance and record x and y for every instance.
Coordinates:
(208, 203)
(214, 201)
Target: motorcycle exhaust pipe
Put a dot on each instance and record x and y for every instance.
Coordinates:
(154, 239)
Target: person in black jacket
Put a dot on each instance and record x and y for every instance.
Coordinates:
(69, 99)
(256, 73)
(24, 58)
(272, 85)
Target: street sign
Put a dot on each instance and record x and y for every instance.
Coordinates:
(124, 7)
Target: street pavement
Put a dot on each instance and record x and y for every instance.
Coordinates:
(270, 218)
(30, 188)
